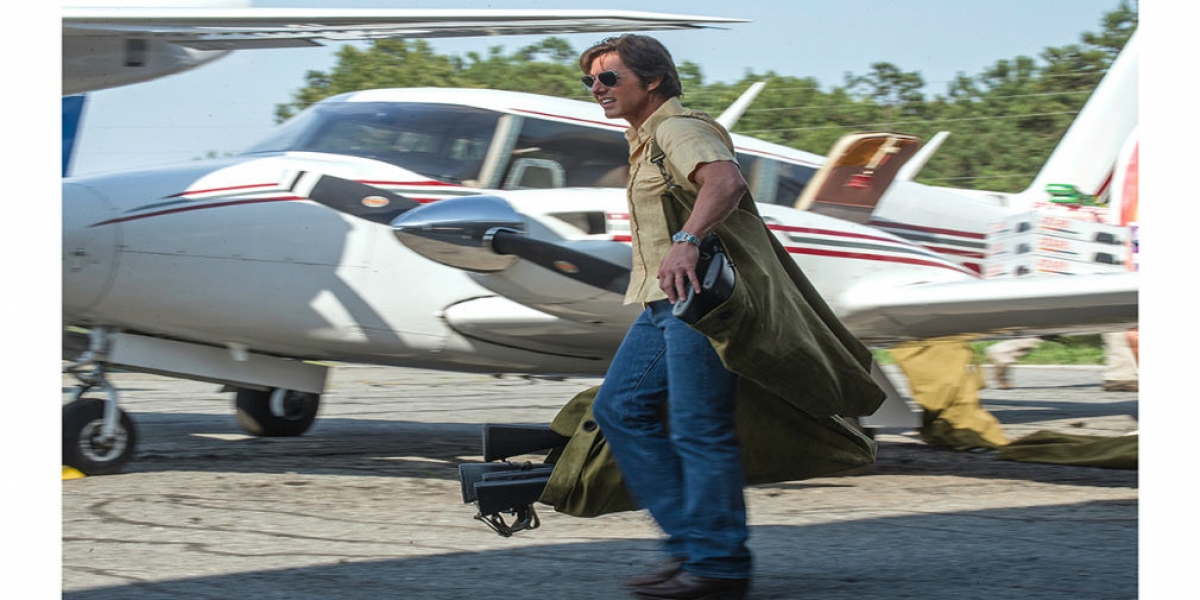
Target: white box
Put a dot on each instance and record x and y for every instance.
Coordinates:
(1056, 247)
(1034, 264)
(1078, 229)
(1058, 225)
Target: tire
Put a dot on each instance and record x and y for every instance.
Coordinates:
(83, 421)
(255, 416)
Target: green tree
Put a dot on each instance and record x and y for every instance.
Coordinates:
(386, 63)
(897, 93)
(1005, 120)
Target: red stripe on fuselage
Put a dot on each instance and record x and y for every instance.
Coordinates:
(876, 257)
(224, 189)
(833, 232)
(183, 209)
(894, 225)
(862, 255)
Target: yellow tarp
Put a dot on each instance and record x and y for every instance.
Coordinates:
(945, 381)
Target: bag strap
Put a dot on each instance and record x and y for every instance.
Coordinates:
(674, 192)
(658, 157)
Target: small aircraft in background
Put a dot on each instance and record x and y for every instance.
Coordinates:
(868, 178)
(467, 230)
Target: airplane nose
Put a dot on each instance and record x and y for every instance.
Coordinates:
(88, 249)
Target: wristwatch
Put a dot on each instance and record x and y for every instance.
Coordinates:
(684, 236)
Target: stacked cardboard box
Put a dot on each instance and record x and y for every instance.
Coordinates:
(1043, 243)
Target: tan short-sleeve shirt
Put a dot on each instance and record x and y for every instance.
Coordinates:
(687, 143)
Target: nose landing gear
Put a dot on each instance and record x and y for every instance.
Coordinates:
(98, 437)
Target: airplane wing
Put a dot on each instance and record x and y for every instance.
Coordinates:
(105, 47)
(234, 29)
(1020, 306)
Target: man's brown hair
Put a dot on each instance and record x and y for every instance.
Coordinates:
(644, 55)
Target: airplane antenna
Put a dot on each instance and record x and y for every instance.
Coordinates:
(739, 106)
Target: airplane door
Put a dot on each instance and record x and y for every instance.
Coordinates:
(858, 170)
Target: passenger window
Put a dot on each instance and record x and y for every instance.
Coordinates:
(774, 181)
(568, 156)
(534, 174)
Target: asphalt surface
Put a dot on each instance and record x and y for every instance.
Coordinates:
(367, 506)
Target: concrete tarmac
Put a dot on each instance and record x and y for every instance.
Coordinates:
(366, 505)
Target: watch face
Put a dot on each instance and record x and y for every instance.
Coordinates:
(684, 236)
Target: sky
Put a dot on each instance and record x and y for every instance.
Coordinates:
(227, 105)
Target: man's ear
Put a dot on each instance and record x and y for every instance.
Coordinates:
(654, 85)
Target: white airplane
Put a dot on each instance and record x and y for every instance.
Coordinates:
(1090, 157)
(106, 46)
(467, 230)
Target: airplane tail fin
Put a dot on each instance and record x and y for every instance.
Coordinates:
(1088, 151)
(72, 115)
(858, 171)
(730, 117)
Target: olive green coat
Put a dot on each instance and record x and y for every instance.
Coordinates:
(801, 369)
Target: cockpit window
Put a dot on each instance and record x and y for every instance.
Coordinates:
(440, 141)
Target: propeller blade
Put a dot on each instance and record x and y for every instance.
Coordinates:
(351, 197)
(565, 261)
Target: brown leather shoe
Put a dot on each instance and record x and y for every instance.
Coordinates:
(686, 586)
(664, 572)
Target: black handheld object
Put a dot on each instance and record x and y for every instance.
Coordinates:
(716, 282)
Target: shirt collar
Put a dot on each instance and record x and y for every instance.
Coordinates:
(643, 134)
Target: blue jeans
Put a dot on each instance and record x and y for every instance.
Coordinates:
(687, 470)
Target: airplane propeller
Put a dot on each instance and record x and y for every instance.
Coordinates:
(482, 234)
(565, 261)
(351, 197)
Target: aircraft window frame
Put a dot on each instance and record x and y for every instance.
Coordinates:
(417, 136)
(499, 153)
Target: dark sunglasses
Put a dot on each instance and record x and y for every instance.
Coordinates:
(607, 79)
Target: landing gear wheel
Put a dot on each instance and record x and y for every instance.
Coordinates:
(254, 412)
(84, 445)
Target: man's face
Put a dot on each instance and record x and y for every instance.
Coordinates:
(627, 99)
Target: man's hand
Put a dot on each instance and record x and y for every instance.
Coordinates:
(678, 271)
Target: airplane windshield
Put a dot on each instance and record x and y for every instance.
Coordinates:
(439, 141)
